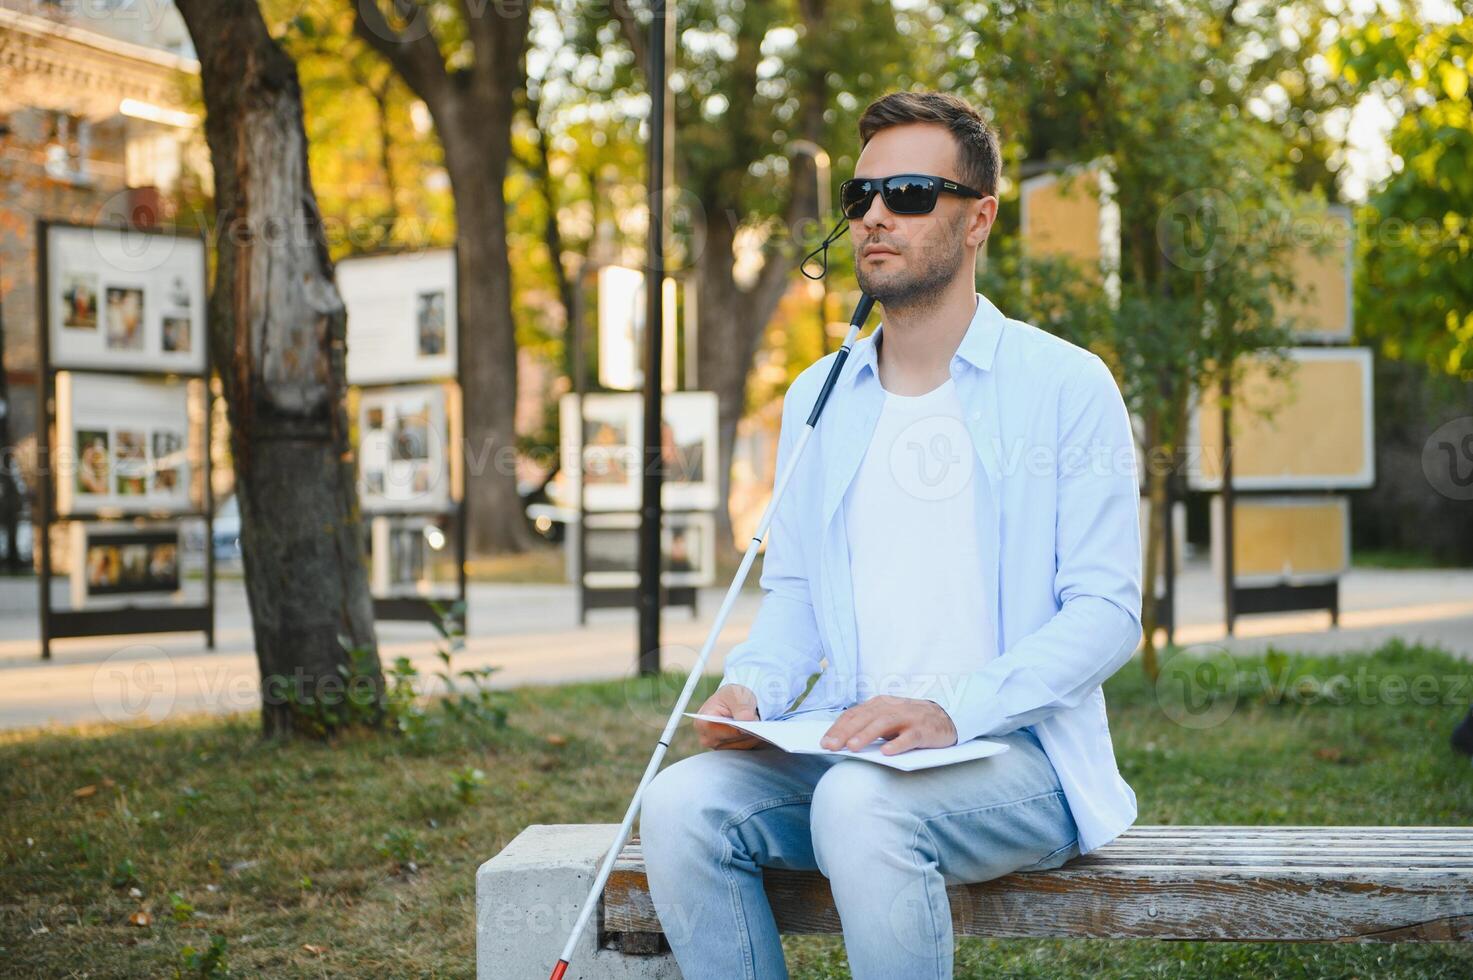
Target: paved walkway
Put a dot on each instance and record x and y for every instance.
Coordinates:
(531, 633)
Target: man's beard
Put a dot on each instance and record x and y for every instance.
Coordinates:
(922, 288)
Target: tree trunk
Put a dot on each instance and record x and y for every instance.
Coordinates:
(277, 329)
(472, 105)
(476, 151)
(1155, 536)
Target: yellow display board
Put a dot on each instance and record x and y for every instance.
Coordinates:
(1284, 540)
(1318, 434)
(1320, 267)
(1070, 223)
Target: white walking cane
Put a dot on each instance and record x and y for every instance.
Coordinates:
(861, 313)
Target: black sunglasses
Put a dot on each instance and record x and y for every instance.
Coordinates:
(903, 193)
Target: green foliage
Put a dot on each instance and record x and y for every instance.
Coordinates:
(471, 699)
(468, 782)
(373, 157)
(179, 908)
(469, 702)
(1414, 293)
(125, 874)
(404, 847)
(205, 964)
(364, 701)
(354, 699)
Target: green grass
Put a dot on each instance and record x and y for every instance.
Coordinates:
(1393, 558)
(278, 848)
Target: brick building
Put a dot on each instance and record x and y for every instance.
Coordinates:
(98, 123)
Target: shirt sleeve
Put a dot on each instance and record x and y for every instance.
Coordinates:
(1097, 581)
(783, 648)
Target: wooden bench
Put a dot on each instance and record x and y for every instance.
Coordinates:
(1280, 884)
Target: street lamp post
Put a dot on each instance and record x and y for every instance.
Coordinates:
(652, 463)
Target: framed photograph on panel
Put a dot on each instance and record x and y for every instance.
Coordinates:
(402, 322)
(411, 556)
(1284, 540)
(612, 453)
(687, 546)
(405, 444)
(122, 443)
(1309, 429)
(615, 447)
(689, 450)
(121, 299)
(113, 564)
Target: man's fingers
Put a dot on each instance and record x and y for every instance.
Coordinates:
(713, 735)
(849, 721)
(863, 728)
(905, 741)
(884, 726)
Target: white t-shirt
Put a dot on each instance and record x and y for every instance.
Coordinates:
(913, 556)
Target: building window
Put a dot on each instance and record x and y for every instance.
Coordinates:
(68, 147)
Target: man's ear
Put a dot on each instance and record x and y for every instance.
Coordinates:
(980, 226)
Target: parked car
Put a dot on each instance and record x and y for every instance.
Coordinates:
(227, 530)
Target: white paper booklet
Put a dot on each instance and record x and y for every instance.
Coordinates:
(801, 732)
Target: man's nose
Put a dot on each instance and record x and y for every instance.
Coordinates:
(877, 214)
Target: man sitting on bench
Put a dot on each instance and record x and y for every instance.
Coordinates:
(962, 543)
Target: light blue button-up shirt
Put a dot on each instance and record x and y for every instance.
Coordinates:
(1058, 531)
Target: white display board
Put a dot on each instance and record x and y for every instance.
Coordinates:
(122, 443)
(687, 550)
(1312, 429)
(615, 448)
(621, 313)
(1301, 539)
(402, 323)
(404, 449)
(113, 564)
(125, 300)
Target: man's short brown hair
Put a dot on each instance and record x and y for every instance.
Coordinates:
(978, 156)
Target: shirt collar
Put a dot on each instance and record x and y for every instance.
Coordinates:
(978, 345)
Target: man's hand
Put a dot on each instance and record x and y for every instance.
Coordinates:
(729, 701)
(908, 723)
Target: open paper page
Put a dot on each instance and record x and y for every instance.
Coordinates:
(801, 732)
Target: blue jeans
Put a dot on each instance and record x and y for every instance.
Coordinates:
(888, 841)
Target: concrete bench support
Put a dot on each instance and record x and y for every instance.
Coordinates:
(529, 895)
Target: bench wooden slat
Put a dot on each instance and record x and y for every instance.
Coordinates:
(1298, 884)
(1420, 830)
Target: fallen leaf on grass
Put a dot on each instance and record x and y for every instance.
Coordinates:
(316, 950)
(557, 740)
(84, 792)
(141, 918)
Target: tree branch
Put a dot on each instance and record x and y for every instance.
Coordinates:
(415, 56)
(634, 35)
